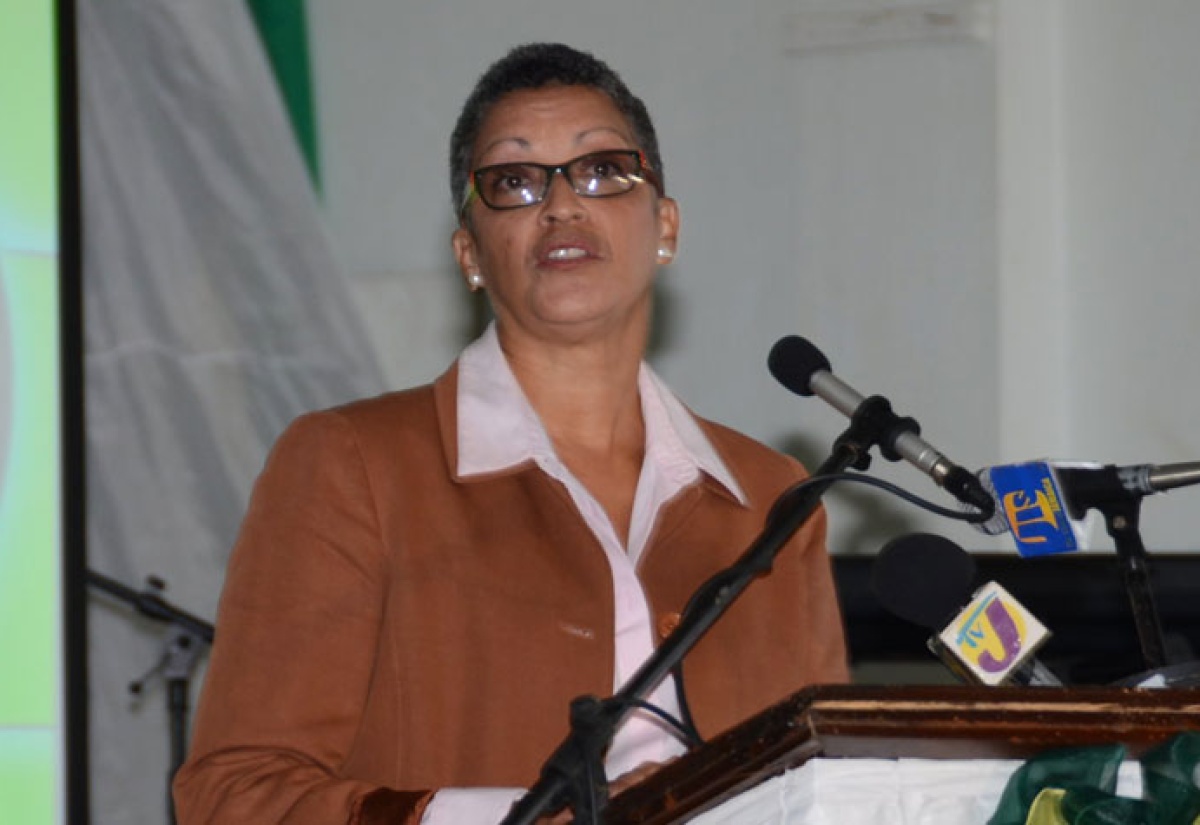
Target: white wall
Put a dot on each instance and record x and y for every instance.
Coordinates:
(1132, 232)
(993, 228)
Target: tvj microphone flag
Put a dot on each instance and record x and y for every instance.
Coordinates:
(993, 636)
(1030, 497)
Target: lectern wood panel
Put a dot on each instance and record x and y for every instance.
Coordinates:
(909, 721)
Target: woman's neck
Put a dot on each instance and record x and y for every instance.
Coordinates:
(586, 394)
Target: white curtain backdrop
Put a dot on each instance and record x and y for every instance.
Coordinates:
(214, 314)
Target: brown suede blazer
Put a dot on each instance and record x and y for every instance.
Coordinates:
(388, 628)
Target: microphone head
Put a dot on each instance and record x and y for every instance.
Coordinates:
(923, 578)
(794, 361)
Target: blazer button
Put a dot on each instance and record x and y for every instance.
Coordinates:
(667, 623)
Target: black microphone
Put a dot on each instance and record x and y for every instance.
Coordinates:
(1043, 503)
(986, 637)
(1088, 487)
(804, 370)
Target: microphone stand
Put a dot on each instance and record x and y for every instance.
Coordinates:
(574, 773)
(1121, 509)
(1122, 524)
(182, 650)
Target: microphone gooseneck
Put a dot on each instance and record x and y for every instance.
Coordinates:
(798, 365)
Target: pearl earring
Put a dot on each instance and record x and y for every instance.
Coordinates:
(475, 279)
(665, 254)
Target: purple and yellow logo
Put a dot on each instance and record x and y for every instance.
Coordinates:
(994, 634)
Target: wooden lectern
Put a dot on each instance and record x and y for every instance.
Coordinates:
(909, 721)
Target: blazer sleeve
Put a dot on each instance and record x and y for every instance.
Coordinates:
(296, 641)
(827, 655)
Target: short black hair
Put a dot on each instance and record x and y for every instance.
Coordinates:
(536, 66)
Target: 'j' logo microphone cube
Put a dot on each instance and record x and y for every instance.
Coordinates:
(994, 635)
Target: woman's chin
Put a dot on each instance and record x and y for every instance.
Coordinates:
(582, 317)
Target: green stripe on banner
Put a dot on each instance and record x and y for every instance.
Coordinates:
(283, 28)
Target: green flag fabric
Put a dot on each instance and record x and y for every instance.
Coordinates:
(283, 28)
(1169, 778)
(1064, 768)
(1076, 786)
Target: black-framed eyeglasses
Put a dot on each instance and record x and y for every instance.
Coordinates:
(594, 175)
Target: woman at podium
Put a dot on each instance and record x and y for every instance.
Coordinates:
(424, 580)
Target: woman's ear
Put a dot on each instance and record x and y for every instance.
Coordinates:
(467, 256)
(668, 228)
